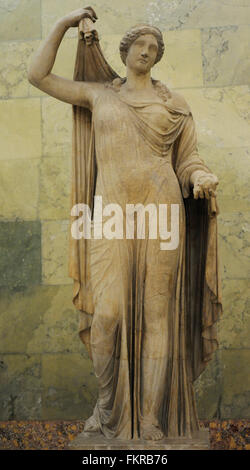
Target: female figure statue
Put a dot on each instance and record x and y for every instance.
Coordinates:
(147, 314)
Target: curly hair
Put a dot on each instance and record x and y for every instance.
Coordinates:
(138, 30)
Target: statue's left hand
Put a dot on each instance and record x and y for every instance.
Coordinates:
(205, 185)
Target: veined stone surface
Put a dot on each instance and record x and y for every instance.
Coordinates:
(20, 131)
(55, 241)
(57, 128)
(226, 56)
(54, 196)
(20, 19)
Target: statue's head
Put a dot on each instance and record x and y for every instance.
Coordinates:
(142, 47)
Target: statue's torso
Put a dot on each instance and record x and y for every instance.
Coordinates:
(134, 145)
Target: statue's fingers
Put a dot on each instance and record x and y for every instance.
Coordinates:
(201, 193)
(211, 192)
(195, 192)
(90, 16)
(207, 193)
(207, 185)
(93, 12)
(198, 192)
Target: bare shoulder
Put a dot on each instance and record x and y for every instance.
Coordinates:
(179, 101)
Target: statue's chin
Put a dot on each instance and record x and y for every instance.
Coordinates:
(140, 67)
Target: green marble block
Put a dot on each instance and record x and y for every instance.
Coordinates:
(20, 254)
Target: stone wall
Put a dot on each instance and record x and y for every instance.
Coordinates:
(44, 369)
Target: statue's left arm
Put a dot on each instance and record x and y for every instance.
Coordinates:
(203, 288)
(190, 168)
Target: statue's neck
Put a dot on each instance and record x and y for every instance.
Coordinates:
(138, 82)
(119, 83)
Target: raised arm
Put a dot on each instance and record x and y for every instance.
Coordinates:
(39, 73)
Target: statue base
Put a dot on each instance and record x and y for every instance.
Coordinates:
(95, 441)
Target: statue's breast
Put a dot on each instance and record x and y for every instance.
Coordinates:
(109, 112)
(113, 113)
(156, 116)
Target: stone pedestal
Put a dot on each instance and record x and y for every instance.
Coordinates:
(200, 441)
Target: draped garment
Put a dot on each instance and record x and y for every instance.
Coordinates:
(151, 328)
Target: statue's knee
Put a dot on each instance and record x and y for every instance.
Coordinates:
(106, 317)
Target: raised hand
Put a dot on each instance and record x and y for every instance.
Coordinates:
(73, 19)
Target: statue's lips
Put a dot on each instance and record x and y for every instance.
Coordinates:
(143, 61)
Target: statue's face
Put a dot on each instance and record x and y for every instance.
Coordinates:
(142, 53)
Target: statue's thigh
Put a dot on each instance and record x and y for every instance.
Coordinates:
(105, 284)
(159, 288)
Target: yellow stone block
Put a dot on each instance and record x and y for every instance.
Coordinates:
(54, 202)
(120, 16)
(110, 46)
(17, 314)
(240, 97)
(65, 60)
(219, 120)
(44, 316)
(69, 386)
(20, 379)
(14, 59)
(234, 238)
(57, 128)
(19, 187)
(235, 322)
(53, 11)
(207, 388)
(54, 371)
(188, 14)
(181, 65)
(232, 168)
(55, 249)
(215, 13)
(115, 17)
(20, 19)
(57, 330)
(236, 382)
(20, 130)
(226, 53)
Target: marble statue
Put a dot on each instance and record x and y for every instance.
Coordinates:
(147, 315)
